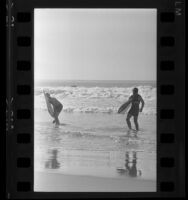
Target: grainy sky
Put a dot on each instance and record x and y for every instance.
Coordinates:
(95, 44)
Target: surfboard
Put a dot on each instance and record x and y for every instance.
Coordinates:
(49, 106)
(123, 108)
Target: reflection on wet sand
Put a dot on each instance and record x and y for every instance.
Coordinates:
(130, 168)
(52, 162)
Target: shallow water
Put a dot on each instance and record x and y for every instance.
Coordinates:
(95, 144)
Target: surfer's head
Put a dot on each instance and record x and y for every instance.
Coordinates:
(48, 95)
(135, 90)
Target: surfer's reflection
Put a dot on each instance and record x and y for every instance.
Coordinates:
(130, 168)
(52, 162)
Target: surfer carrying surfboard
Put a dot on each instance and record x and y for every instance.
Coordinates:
(57, 107)
(135, 100)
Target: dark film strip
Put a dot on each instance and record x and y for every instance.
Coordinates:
(166, 91)
(23, 94)
(170, 84)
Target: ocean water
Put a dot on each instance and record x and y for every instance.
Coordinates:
(92, 138)
(96, 96)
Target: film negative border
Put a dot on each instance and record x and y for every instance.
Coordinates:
(168, 90)
(170, 87)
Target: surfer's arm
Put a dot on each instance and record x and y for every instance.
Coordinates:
(143, 103)
(51, 101)
(44, 91)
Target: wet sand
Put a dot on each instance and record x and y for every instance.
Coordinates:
(85, 153)
(55, 182)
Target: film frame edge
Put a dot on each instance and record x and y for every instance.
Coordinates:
(21, 183)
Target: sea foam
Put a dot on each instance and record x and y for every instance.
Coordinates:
(95, 99)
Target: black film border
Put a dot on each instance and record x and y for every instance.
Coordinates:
(170, 97)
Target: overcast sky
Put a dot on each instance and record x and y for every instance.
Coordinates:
(95, 44)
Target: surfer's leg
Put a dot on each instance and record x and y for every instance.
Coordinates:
(56, 114)
(128, 120)
(136, 122)
(56, 118)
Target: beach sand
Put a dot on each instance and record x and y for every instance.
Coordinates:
(54, 182)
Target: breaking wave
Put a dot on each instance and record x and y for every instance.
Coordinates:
(95, 99)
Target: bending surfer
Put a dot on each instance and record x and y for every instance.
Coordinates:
(135, 99)
(57, 106)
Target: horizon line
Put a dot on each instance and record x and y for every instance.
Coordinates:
(37, 80)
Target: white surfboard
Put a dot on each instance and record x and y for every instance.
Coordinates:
(124, 107)
(49, 106)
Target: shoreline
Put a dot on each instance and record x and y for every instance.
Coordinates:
(56, 182)
(88, 146)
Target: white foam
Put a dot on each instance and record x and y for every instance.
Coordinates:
(96, 99)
